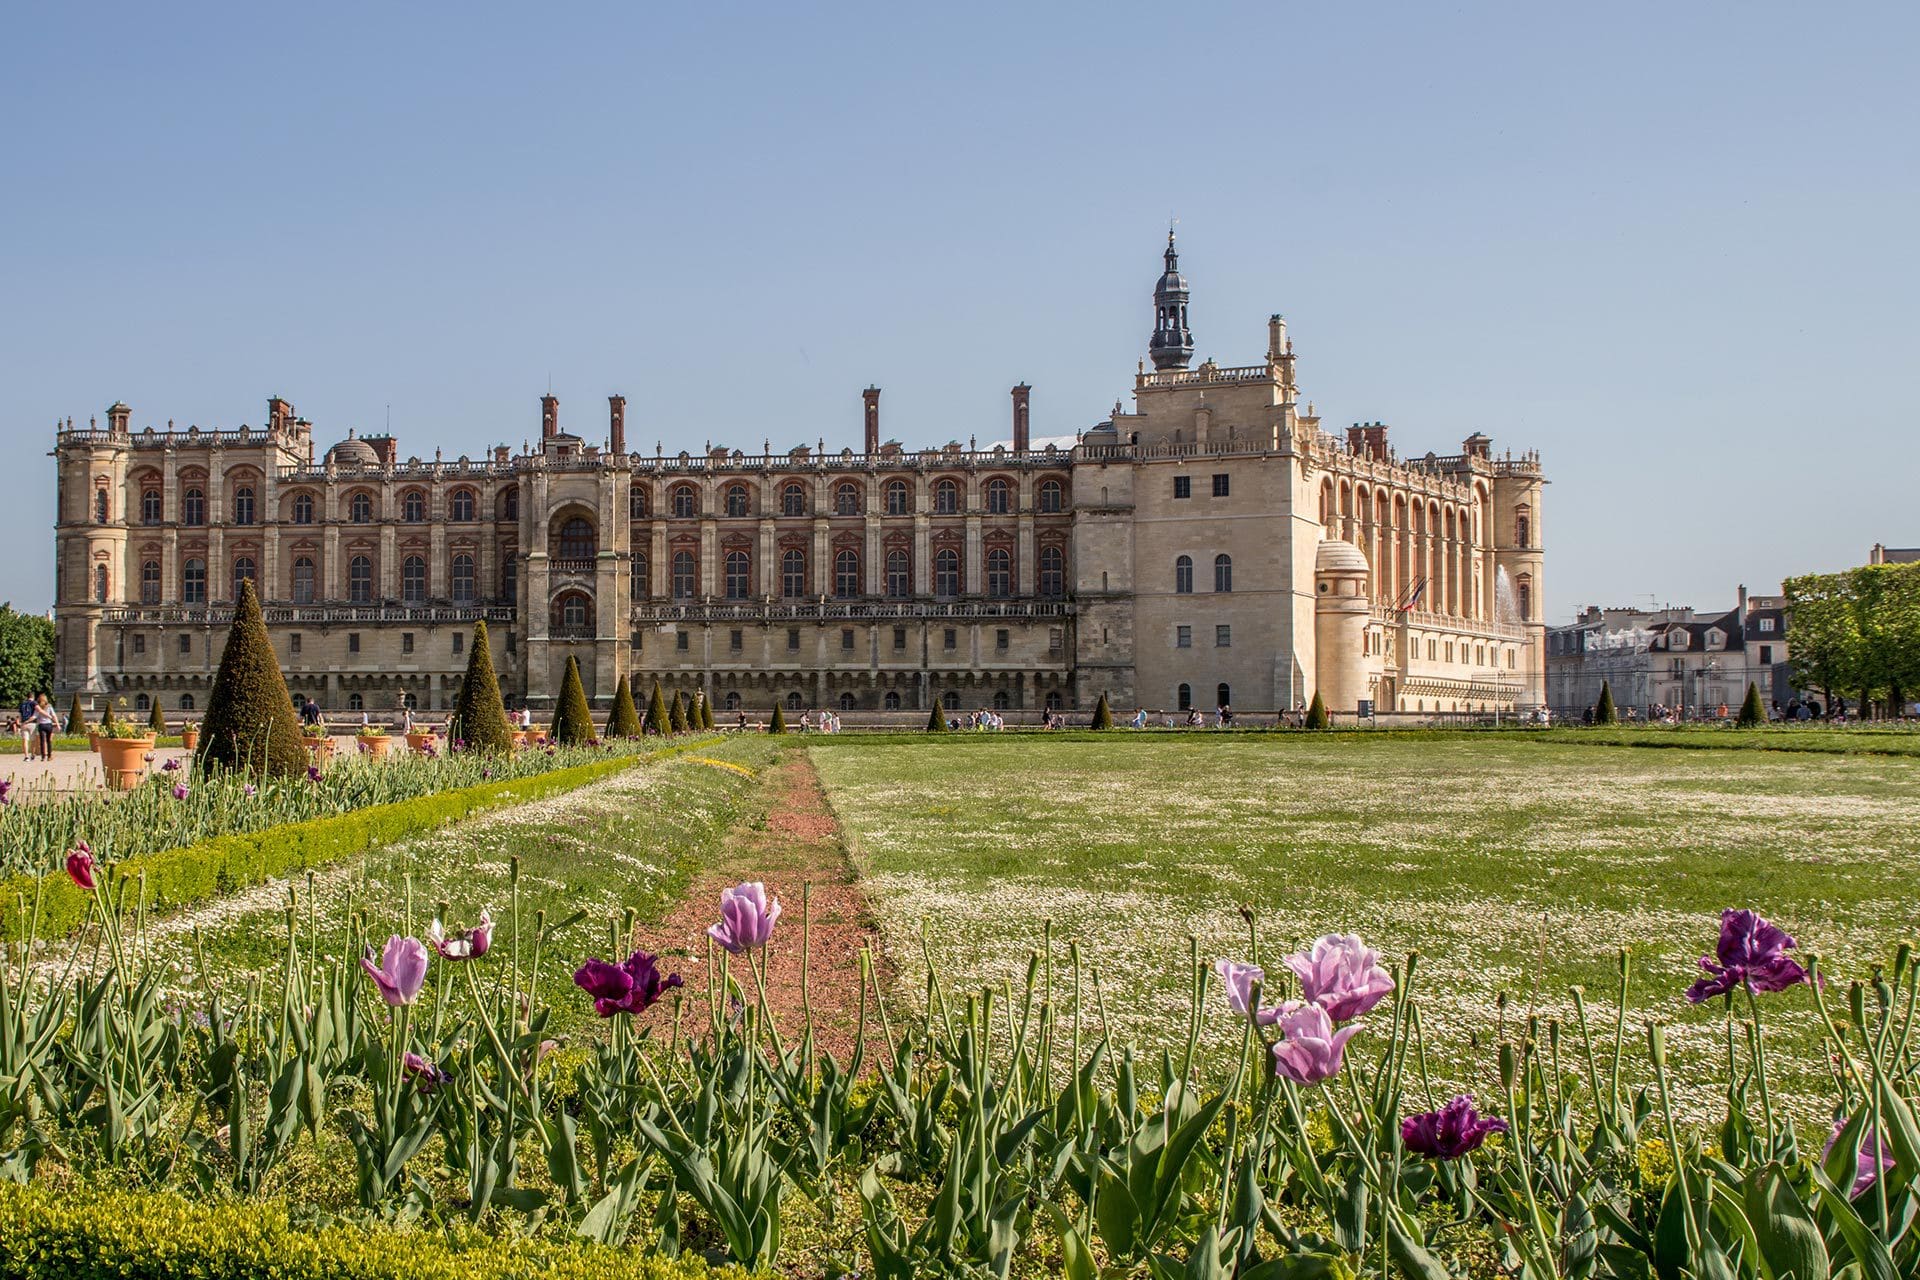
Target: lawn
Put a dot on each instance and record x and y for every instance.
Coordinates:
(1512, 864)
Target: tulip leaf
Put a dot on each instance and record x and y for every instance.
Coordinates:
(1408, 1251)
(1115, 1214)
(1789, 1240)
(1868, 1251)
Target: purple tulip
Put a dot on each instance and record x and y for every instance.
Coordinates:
(1752, 953)
(180, 791)
(1310, 1050)
(313, 773)
(171, 766)
(1342, 974)
(459, 744)
(1240, 980)
(6, 791)
(423, 1071)
(402, 970)
(486, 771)
(746, 917)
(249, 790)
(463, 944)
(80, 864)
(1873, 1160)
(633, 986)
(1450, 1132)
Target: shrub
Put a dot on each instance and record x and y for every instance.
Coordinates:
(779, 722)
(706, 712)
(677, 714)
(1102, 714)
(109, 720)
(572, 718)
(937, 719)
(624, 720)
(76, 716)
(1317, 717)
(158, 720)
(657, 716)
(1605, 713)
(1752, 713)
(250, 723)
(479, 717)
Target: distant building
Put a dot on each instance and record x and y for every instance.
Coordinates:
(1882, 554)
(1676, 657)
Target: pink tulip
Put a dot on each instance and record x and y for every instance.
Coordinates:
(1240, 980)
(463, 944)
(80, 865)
(402, 970)
(747, 917)
(1310, 1050)
(1341, 974)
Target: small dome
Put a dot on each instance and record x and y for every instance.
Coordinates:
(353, 453)
(1172, 283)
(1336, 556)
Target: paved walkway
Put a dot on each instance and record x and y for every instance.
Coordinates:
(67, 771)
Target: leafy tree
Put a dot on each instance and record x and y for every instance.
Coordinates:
(1317, 717)
(249, 723)
(624, 720)
(779, 722)
(573, 718)
(1752, 714)
(677, 713)
(1605, 712)
(158, 720)
(937, 719)
(26, 655)
(479, 717)
(1102, 714)
(658, 718)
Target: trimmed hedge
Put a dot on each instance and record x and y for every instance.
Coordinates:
(179, 877)
(63, 1234)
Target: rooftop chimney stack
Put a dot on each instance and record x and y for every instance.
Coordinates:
(616, 424)
(1022, 439)
(872, 397)
(549, 416)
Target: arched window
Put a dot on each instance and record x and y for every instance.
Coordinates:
(410, 701)
(793, 499)
(892, 701)
(360, 509)
(509, 502)
(685, 582)
(142, 703)
(733, 702)
(360, 580)
(149, 582)
(413, 580)
(793, 701)
(946, 498)
(951, 700)
(1523, 598)
(899, 498)
(1053, 573)
(413, 506)
(100, 506)
(356, 703)
(848, 702)
(1523, 527)
(946, 572)
(573, 615)
(1223, 573)
(1001, 702)
(736, 500)
(149, 506)
(899, 575)
(999, 573)
(1183, 575)
(739, 575)
(686, 501)
(846, 573)
(243, 571)
(999, 497)
(793, 573)
(1052, 497)
(186, 702)
(642, 576)
(846, 499)
(461, 506)
(1186, 697)
(460, 580)
(1053, 699)
(100, 584)
(1223, 696)
(193, 507)
(303, 508)
(303, 580)
(637, 504)
(243, 507)
(193, 582)
(576, 540)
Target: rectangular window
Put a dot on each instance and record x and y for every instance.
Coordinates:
(1183, 486)
(1766, 624)
(899, 638)
(736, 639)
(680, 641)
(406, 642)
(139, 644)
(1766, 655)
(846, 637)
(633, 641)
(293, 644)
(950, 640)
(1223, 637)
(1002, 638)
(353, 642)
(460, 643)
(793, 639)
(186, 644)
(513, 642)
(1056, 640)
(1220, 485)
(1183, 637)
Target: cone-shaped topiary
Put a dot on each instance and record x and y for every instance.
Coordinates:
(1752, 714)
(1317, 713)
(76, 715)
(706, 713)
(158, 720)
(1102, 714)
(624, 720)
(249, 722)
(1605, 713)
(109, 720)
(572, 718)
(677, 713)
(479, 717)
(779, 722)
(657, 714)
(937, 719)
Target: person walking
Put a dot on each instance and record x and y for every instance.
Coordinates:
(45, 721)
(26, 726)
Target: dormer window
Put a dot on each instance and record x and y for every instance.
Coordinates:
(1766, 625)
(1716, 639)
(1676, 639)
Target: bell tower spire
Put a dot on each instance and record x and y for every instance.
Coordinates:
(1172, 343)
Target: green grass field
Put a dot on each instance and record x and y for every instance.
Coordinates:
(1513, 863)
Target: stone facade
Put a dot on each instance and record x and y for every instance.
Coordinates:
(1178, 555)
(1676, 658)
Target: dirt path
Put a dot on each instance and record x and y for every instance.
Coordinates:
(792, 840)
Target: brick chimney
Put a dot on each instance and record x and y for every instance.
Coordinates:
(616, 424)
(549, 416)
(279, 414)
(386, 446)
(1021, 438)
(872, 398)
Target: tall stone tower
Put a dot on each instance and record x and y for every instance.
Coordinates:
(1171, 346)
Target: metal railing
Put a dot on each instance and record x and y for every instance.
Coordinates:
(851, 610)
(310, 615)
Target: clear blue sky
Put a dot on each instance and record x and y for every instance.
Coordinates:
(1671, 246)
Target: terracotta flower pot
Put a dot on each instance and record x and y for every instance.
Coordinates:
(320, 748)
(124, 760)
(519, 737)
(93, 742)
(190, 737)
(375, 745)
(417, 741)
